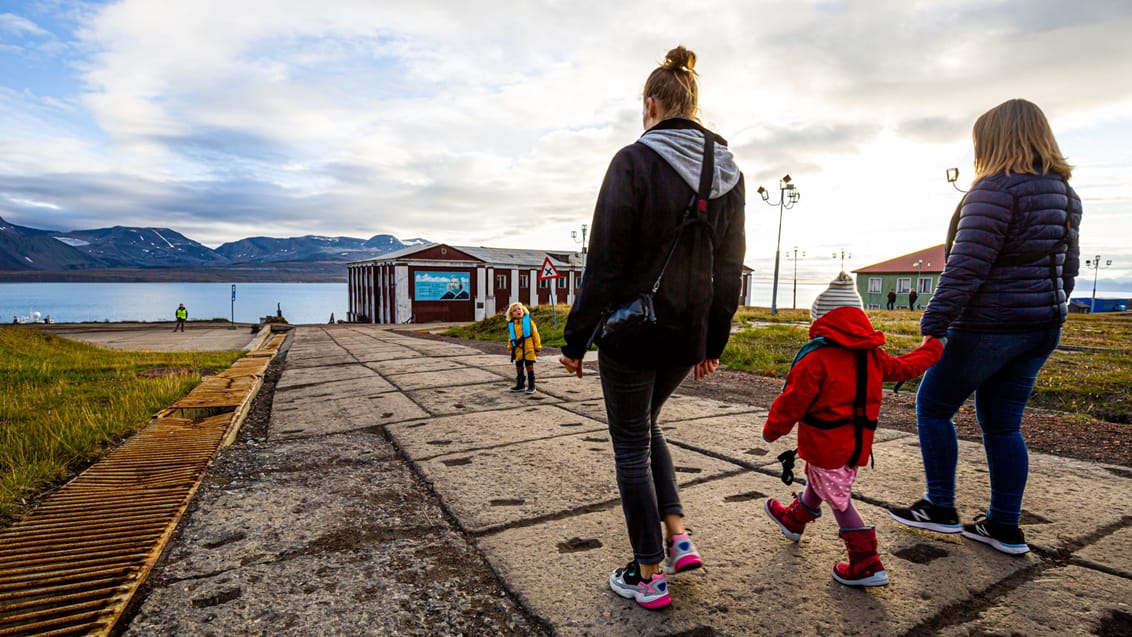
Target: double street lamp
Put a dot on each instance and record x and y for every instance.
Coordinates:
(788, 196)
(795, 259)
(1095, 265)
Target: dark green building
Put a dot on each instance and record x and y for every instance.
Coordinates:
(915, 271)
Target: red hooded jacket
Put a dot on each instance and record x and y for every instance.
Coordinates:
(823, 385)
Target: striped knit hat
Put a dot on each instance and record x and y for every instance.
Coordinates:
(840, 293)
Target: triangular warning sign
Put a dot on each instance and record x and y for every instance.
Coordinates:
(548, 271)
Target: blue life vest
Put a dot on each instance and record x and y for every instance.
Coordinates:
(526, 328)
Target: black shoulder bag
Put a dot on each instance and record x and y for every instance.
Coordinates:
(636, 318)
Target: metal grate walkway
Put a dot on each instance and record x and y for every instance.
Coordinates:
(72, 565)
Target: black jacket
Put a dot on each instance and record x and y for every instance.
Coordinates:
(641, 203)
(998, 276)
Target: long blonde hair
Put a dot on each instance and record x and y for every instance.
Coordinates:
(1015, 137)
(673, 84)
(511, 308)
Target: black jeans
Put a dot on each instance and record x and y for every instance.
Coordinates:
(645, 475)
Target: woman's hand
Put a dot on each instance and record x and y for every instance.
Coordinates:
(706, 367)
(572, 365)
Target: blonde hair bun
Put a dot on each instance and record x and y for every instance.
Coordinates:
(680, 59)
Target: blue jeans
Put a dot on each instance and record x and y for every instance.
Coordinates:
(645, 475)
(1000, 369)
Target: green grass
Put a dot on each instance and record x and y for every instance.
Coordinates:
(494, 328)
(1094, 383)
(66, 404)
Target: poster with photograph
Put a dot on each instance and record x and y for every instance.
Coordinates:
(442, 286)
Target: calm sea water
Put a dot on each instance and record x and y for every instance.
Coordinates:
(300, 302)
(79, 302)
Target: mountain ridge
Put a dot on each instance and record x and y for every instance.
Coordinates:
(149, 253)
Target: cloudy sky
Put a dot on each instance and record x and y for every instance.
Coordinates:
(492, 122)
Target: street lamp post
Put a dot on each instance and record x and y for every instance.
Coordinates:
(919, 265)
(574, 236)
(952, 177)
(788, 196)
(795, 259)
(1095, 264)
(844, 255)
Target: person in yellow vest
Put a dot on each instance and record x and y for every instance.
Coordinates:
(182, 315)
(525, 345)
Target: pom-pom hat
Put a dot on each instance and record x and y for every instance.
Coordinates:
(842, 292)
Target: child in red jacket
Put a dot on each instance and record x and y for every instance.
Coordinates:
(833, 392)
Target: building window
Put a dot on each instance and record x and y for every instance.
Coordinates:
(563, 282)
(501, 281)
(925, 286)
(543, 284)
(874, 285)
(903, 285)
(524, 280)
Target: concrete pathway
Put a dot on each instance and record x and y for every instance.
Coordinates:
(158, 337)
(529, 480)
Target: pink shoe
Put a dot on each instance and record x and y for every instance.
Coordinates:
(682, 555)
(652, 594)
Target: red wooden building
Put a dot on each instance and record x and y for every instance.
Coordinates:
(442, 283)
(439, 282)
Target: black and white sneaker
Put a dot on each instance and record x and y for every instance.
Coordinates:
(925, 515)
(1007, 539)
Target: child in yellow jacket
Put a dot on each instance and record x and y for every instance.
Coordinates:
(525, 346)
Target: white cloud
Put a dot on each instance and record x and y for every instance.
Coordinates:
(11, 23)
(492, 123)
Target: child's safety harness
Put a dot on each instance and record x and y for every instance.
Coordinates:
(859, 420)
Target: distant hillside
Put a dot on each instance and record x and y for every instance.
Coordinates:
(122, 246)
(26, 249)
(308, 248)
(127, 253)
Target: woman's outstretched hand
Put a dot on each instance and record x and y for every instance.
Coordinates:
(706, 367)
(572, 365)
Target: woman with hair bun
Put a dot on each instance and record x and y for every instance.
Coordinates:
(639, 218)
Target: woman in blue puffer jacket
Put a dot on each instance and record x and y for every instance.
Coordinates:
(1012, 261)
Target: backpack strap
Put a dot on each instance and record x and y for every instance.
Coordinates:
(811, 345)
(696, 211)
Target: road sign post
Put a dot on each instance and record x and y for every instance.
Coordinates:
(233, 321)
(550, 273)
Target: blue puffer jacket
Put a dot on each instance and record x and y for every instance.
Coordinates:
(998, 276)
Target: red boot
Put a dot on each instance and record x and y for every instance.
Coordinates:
(791, 519)
(864, 567)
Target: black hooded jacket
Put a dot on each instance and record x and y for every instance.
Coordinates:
(643, 198)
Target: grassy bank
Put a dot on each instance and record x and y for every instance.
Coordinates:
(67, 403)
(494, 328)
(1090, 375)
